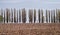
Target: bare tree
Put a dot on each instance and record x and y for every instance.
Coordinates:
(7, 14)
(49, 16)
(19, 15)
(46, 17)
(24, 15)
(39, 15)
(54, 16)
(11, 15)
(58, 15)
(34, 15)
(30, 15)
(42, 16)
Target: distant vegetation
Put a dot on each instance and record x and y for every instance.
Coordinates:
(1, 18)
(51, 15)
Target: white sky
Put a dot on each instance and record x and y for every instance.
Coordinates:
(45, 4)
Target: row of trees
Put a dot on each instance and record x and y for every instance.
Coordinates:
(51, 15)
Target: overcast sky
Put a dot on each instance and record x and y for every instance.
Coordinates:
(44, 4)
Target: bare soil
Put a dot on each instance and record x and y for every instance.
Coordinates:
(30, 29)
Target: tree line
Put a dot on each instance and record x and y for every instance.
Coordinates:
(16, 15)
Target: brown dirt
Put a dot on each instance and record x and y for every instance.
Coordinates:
(30, 29)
